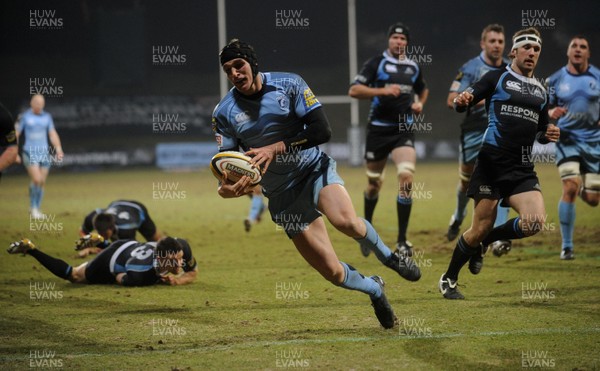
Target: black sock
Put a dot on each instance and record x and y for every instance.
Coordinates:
(58, 267)
(370, 204)
(462, 254)
(507, 231)
(403, 207)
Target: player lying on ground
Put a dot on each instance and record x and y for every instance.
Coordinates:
(126, 262)
(119, 221)
(517, 107)
(271, 114)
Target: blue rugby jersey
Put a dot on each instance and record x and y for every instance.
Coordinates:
(35, 129)
(269, 116)
(468, 74)
(580, 94)
(517, 109)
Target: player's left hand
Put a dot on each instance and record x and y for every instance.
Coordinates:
(417, 107)
(263, 156)
(552, 133)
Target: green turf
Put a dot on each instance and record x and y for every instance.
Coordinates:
(258, 305)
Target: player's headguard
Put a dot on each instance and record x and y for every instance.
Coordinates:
(239, 49)
(528, 38)
(400, 28)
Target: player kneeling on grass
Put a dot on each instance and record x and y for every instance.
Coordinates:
(119, 221)
(126, 262)
(517, 107)
(279, 122)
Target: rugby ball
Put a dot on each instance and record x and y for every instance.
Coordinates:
(236, 164)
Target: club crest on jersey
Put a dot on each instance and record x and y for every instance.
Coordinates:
(124, 215)
(242, 117)
(391, 68)
(283, 102)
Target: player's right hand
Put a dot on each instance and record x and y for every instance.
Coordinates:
(463, 99)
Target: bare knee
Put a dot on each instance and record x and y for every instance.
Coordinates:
(373, 188)
(348, 224)
(532, 224)
(593, 200)
(570, 189)
(478, 232)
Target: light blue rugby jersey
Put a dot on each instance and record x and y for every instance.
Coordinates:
(580, 94)
(272, 115)
(468, 74)
(36, 129)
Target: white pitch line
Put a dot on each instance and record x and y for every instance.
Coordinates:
(257, 344)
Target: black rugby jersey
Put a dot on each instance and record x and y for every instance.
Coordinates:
(517, 109)
(383, 70)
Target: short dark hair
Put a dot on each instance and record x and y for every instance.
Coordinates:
(582, 37)
(167, 246)
(104, 222)
(494, 27)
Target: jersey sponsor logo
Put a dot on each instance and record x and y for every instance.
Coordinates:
(455, 86)
(519, 112)
(283, 102)
(309, 98)
(485, 189)
(409, 71)
(213, 125)
(513, 85)
(219, 139)
(11, 137)
(392, 68)
(242, 117)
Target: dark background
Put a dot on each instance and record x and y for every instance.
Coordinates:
(104, 50)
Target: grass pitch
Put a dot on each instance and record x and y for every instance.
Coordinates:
(258, 305)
